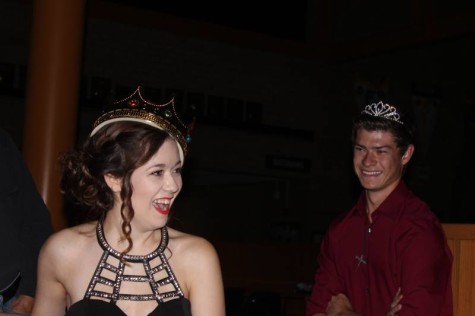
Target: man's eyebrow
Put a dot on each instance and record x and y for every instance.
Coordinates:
(373, 147)
(381, 147)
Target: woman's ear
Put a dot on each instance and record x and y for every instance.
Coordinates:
(114, 183)
(408, 154)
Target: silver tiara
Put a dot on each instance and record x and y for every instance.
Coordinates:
(384, 111)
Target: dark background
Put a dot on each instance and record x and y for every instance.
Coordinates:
(274, 86)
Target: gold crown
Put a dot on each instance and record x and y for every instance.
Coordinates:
(382, 110)
(136, 108)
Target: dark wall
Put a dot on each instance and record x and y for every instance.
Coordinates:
(271, 157)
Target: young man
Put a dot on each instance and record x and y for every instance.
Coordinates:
(388, 255)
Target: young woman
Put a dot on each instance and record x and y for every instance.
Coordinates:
(126, 261)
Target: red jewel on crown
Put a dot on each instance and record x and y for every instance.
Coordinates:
(133, 103)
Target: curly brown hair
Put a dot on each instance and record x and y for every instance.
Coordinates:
(118, 150)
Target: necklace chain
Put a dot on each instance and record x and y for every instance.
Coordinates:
(363, 258)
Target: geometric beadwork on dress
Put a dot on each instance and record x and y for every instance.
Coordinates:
(117, 278)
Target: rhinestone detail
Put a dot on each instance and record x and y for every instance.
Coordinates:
(156, 283)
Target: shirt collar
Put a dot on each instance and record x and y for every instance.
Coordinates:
(390, 205)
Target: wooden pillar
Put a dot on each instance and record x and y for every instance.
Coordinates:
(52, 94)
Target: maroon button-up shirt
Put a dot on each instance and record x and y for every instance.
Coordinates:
(404, 247)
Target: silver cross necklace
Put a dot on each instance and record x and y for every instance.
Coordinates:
(362, 259)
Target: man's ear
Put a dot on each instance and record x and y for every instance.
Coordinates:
(408, 154)
(114, 183)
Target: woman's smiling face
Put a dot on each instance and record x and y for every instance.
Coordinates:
(155, 186)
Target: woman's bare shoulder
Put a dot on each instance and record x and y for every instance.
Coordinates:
(197, 267)
(69, 240)
(190, 246)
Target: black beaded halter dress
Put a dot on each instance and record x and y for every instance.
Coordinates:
(157, 283)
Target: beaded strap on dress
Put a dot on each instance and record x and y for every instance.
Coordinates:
(112, 263)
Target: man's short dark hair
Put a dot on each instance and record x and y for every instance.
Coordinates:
(403, 133)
